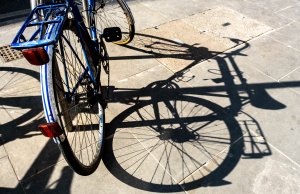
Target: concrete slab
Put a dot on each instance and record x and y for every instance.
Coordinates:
(8, 180)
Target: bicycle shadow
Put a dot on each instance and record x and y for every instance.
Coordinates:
(22, 111)
(177, 139)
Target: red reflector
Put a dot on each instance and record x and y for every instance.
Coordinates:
(51, 129)
(36, 56)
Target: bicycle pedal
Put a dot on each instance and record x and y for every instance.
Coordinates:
(85, 83)
(112, 34)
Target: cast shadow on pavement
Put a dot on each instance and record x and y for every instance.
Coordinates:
(171, 138)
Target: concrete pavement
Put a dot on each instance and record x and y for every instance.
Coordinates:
(227, 72)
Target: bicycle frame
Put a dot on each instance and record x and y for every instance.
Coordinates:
(88, 9)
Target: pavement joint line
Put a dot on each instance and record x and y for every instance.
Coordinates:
(254, 39)
(263, 73)
(24, 190)
(293, 90)
(277, 29)
(211, 159)
(276, 81)
(41, 171)
(188, 83)
(285, 25)
(168, 69)
(221, 152)
(195, 171)
(290, 6)
(148, 70)
(153, 10)
(274, 11)
(251, 39)
(289, 46)
(136, 74)
(290, 159)
(232, 49)
(170, 20)
(149, 152)
(222, 53)
(12, 166)
(279, 80)
(280, 14)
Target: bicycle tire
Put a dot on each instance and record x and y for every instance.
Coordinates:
(79, 117)
(115, 13)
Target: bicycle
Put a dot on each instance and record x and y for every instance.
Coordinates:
(64, 42)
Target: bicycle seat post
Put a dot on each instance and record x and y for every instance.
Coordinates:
(85, 13)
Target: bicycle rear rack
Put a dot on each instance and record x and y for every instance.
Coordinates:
(43, 27)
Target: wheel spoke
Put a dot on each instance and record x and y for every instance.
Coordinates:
(78, 113)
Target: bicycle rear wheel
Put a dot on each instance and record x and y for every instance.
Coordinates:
(75, 103)
(115, 13)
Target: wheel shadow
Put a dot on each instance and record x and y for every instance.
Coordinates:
(154, 145)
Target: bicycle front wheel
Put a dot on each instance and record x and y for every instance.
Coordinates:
(115, 13)
(75, 104)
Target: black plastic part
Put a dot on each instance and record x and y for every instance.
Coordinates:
(112, 34)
